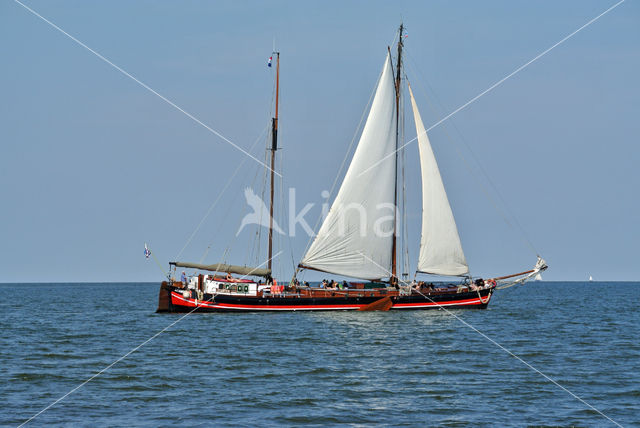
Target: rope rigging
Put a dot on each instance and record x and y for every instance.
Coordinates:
(215, 202)
(507, 213)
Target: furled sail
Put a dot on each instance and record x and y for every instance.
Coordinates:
(356, 236)
(223, 267)
(440, 248)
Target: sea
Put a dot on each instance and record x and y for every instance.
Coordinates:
(542, 354)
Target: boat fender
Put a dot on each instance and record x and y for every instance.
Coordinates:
(186, 294)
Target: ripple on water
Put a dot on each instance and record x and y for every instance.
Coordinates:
(360, 368)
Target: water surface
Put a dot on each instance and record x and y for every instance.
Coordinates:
(411, 368)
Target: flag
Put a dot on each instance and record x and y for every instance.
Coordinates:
(147, 251)
(269, 63)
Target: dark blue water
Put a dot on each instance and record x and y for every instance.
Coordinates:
(359, 368)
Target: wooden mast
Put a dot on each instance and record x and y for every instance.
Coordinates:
(274, 147)
(394, 277)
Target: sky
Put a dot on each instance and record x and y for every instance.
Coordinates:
(94, 165)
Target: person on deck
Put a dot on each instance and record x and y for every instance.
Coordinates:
(228, 277)
(183, 278)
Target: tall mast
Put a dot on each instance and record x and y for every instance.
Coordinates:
(274, 147)
(395, 219)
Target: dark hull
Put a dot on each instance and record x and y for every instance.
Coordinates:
(173, 301)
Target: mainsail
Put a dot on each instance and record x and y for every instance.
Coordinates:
(440, 248)
(356, 237)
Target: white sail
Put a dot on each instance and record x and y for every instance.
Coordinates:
(356, 236)
(440, 248)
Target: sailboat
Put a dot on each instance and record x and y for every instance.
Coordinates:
(356, 239)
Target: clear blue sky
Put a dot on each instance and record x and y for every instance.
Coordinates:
(93, 165)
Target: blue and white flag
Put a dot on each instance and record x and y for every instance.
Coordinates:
(147, 251)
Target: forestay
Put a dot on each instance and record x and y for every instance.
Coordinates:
(440, 248)
(356, 237)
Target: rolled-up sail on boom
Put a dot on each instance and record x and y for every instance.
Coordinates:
(440, 248)
(355, 238)
(223, 267)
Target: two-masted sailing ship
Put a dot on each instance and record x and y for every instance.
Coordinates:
(355, 243)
